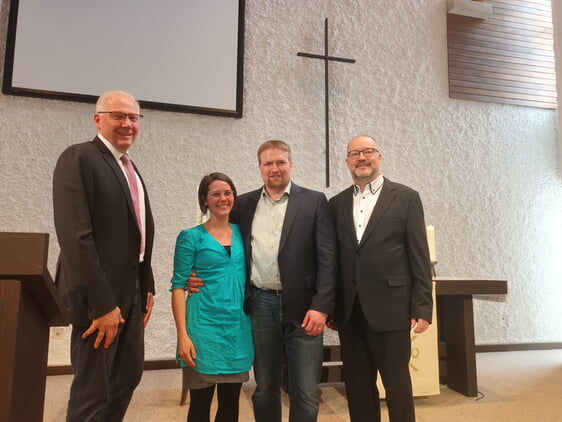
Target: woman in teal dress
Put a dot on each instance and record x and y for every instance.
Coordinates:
(214, 334)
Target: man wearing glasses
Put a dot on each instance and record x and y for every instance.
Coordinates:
(105, 231)
(383, 286)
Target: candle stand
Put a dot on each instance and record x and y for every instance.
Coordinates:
(433, 264)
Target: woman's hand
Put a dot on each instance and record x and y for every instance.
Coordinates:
(186, 351)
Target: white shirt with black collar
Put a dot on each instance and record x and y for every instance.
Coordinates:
(364, 203)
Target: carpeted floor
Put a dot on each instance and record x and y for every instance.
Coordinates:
(514, 387)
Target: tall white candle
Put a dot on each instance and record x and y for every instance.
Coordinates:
(431, 242)
(199, 217)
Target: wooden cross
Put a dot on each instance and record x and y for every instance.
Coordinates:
(326, 59)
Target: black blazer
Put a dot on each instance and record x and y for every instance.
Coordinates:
(99, 239)
(307, 250)
(389, 269)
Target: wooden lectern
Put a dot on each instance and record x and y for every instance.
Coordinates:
(29, 305)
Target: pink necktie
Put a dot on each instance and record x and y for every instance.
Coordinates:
(133, 188)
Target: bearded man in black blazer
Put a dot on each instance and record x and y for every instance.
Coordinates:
(384, 285)
(104, 275)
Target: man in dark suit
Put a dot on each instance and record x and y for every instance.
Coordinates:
(384, 285)
(105, 231)
(291, 261)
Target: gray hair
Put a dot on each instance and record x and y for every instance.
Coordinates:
(102, 100)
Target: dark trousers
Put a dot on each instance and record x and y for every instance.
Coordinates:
(364, 352)
(104, 379)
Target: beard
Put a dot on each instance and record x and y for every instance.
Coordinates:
(277, 182)
(365, 174)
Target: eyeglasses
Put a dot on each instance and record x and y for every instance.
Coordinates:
(217, 194)
(367, 153)
(119, 116)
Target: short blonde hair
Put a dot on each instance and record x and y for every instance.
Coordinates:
(283, 146)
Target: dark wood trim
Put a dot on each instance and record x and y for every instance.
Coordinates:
(149, 365)
(59, 370)
(445, 286)
(485, 348)
(171, 363)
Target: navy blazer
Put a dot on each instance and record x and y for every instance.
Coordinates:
(389, 270)
(99, 239)
(307, 250)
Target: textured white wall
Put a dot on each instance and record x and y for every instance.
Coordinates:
(488, 174)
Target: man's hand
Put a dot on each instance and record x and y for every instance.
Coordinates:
(193, 283)
(107, 327)
(420, 325)
(148, 310)
(314, 322)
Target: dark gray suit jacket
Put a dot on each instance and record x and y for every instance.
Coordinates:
(389, 269)
(307, 250)
(98, 235)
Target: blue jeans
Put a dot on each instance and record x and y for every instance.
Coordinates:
(275, 338)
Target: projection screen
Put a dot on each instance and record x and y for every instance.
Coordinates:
(173, 55)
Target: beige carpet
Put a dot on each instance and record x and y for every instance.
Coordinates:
(514, 387)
